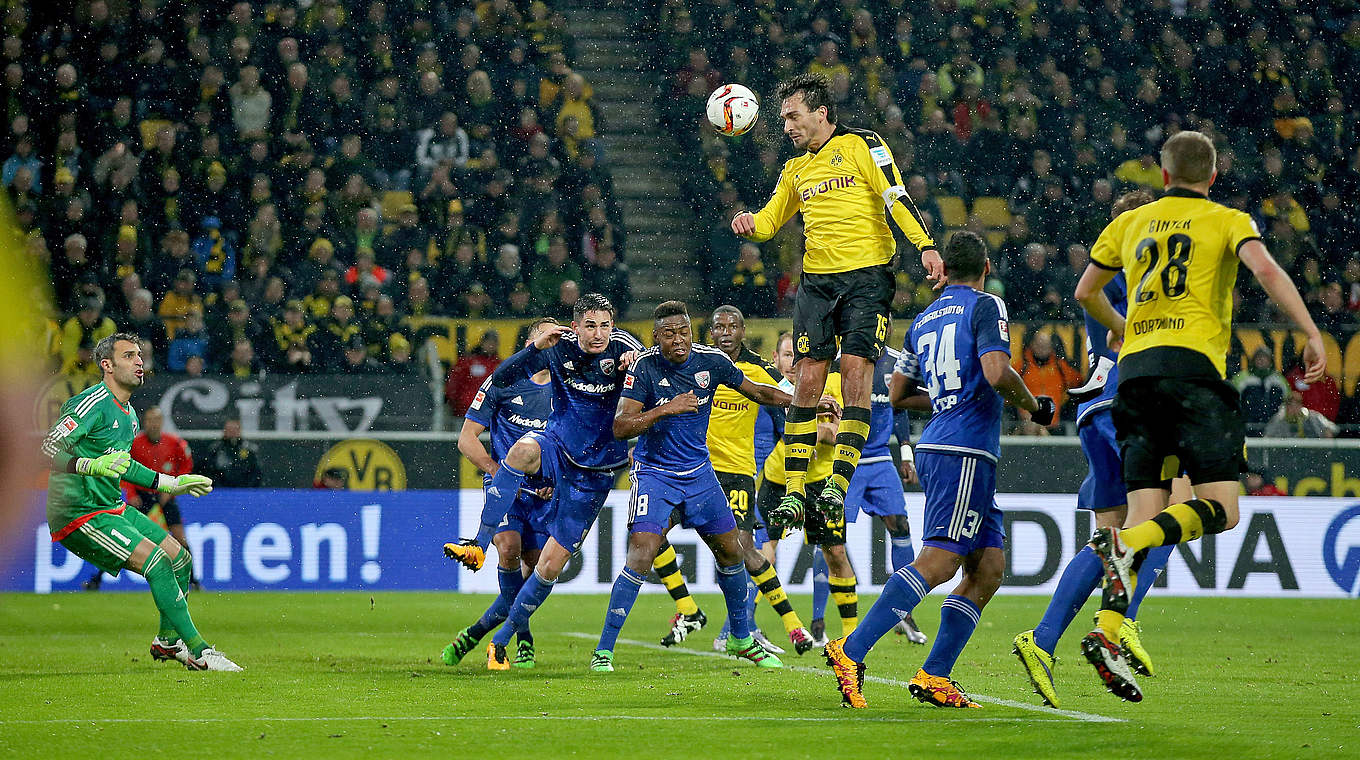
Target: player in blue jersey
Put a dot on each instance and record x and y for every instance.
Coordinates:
(959, 349)
(666, 402)
(577, 452)
(508, 413)
(876, 488)
(1104, 494)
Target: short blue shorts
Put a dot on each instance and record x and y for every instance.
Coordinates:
(961, 512)
(876, 489)
(1104, 485)
(698, 496)
(578, 494)
(529, 517)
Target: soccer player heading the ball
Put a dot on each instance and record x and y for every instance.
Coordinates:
(88, 450)
(848, 189)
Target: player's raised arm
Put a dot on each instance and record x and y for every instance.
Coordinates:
(1282, 291)
(530, 359)
(765, 395)
(763, 224)
(876, 163)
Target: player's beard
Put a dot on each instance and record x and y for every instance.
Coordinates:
(131, 379)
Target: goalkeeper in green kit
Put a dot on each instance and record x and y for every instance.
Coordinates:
(88, 450)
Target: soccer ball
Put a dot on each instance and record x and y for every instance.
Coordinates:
(732, 110)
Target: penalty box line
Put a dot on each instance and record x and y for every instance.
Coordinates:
(1069, 714)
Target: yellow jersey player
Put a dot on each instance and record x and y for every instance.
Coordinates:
(1173, 411)
(850, 194)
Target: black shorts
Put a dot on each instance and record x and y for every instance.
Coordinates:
(1169, 426)
(817, 530)
(852, 306)
(741, 497)
(170, 510)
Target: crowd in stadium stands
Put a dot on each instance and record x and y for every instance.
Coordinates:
(1023, 120)
(281, 186)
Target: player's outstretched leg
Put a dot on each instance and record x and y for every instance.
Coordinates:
(688, 617)
(903, 591)
(523, 459)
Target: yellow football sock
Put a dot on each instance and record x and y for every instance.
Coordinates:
(1109, 621)
(768, 582)
(1176, 524)
(847, 601)
(668, 567)
(800, 435)
(850, 438)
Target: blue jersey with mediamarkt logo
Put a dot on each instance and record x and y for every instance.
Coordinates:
(884, 421)
(946, 344)
(678, 443)
(585, 395)
(1096, 333)
(511, 411)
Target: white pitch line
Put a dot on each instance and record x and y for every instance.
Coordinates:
(416, 718)
(1072, 714)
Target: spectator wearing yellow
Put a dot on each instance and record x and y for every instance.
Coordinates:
(86, 328)
(181, 299)
(574, 100)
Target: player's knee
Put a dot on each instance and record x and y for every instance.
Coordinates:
(837, 561)
(988, 572)
(172, 547)
(524, 456)
(897, 526)
(936, 566)
(642, 549)
(1111, 518)
(507, 549)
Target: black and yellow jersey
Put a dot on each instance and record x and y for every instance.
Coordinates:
(823, 454)
(1179, 254)
(845, 190)
(732, 423)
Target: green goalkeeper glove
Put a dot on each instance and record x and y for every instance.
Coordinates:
(110, 465)
(178, 485)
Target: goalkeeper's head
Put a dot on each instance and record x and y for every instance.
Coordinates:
(965, 259)
(119, 357)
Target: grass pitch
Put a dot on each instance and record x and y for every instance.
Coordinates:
(354, 675)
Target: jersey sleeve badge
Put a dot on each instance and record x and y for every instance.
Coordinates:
(628, 381)
(478, 399)
(880, 155)
(68, 426)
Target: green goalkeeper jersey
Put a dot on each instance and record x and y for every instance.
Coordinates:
(91, 423)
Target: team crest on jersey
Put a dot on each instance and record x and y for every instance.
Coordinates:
(836, 158)
(607, 366)
(702, 378)
(803, 344)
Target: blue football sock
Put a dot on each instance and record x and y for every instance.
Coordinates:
(621, 600)
(901, 552)
(510, 582)
(1081, 576)
(958, 619)
(732, 580)
(821, 584)
(1153, 565)
(499, 496)
(751, 593)
(529, 599)
(903, 591)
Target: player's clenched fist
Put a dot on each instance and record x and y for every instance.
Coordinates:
(744, 223)
(685, 402)
(549, 337)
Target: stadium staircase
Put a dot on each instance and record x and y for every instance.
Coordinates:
(660, 226)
